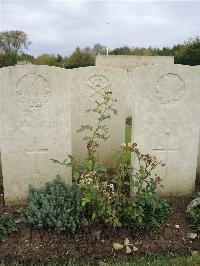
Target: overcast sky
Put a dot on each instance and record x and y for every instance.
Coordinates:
(59, 26)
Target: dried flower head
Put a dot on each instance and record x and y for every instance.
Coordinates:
(162, 163)
(130, 145)
(158, 178)
(123, 145)
(134, 145)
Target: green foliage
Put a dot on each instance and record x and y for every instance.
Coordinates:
(104, 108)
(13, 41)
(79, 58)
(106, 199)
(128, 130)
(54, 206)
(143, 178)
(10, 59)
(188, 53)
(126, 245)
(84, 57)
(25, 57)
(170, 260)
(193, 211)
(99, 199)
(99, 49)
(104, 194)
(78, 168)
(59, 58)
(145, 211)
(125, 50)
(47, 59)
(7, 226)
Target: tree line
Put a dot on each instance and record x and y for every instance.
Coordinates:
(13, 45)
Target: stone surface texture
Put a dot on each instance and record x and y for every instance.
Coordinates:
(166, 122)
(36, 127)
(132, 61)
(42, 108)
(85, 82)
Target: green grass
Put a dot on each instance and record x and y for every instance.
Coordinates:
(163, 261)
(160, 261)
(127, 140)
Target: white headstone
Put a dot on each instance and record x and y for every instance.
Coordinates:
(85, 82)
(132, 61)
(36, 127)
(167, 122)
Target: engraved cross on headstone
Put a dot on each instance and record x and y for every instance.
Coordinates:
(36, 151)
(166, 150)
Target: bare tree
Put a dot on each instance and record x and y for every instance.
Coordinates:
(13, 41)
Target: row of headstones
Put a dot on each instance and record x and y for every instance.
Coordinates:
(42, 107)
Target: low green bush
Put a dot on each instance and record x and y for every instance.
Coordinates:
(145, 211)
(106, 192)
(54, 206)
(100, 200)
(7, 226)
(193, 211)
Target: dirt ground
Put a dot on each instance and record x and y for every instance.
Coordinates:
(96, 243)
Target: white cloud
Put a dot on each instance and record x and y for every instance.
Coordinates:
(58, 26)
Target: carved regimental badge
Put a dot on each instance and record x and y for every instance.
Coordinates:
(170, 89)
(98, 82)
(33, 90)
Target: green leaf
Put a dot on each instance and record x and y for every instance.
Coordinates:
(76, 175)
(94, 215)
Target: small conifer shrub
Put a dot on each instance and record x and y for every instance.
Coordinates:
(54, 206)
(7, 226)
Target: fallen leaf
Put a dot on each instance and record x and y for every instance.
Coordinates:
(191, 235)
(134, 248)
(117, 246)
(128, 249)
(126, 241)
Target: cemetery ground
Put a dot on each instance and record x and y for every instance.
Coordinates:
(95, 244)
(103, 208)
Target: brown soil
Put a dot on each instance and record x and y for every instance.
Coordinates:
(29, 244)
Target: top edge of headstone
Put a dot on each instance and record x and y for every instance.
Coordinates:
(131, 61)
(135, 56)
(30, 66)
(165, 66)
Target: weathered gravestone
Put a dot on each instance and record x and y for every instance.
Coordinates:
(131, 61)
(167, 122)
(36, 126)
(1, 176)
(86, 81)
